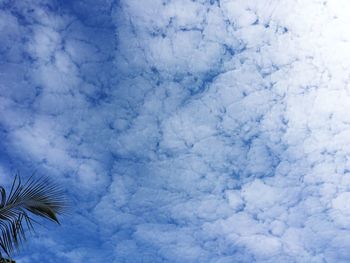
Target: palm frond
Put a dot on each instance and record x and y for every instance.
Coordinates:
(37, 197)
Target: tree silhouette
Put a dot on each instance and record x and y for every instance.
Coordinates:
(35, 197)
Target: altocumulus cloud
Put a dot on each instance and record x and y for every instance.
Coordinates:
(184, 131)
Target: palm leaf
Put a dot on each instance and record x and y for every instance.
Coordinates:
(37, 197)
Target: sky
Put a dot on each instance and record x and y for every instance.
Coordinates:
(204, 131)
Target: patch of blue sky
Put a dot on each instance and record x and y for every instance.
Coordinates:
(183, 131)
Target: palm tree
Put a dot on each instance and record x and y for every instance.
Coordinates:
(35, 197)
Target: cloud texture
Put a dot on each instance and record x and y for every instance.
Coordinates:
(184, 131)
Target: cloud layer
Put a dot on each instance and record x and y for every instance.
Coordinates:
(185, 131)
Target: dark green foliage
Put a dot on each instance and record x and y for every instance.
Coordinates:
(37, 197)
(4, 260)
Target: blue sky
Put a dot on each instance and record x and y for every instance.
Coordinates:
(182, 131)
